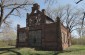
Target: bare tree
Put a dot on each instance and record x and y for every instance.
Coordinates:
(81, 29)
(14, 7)
(8, 30)
(69, 17)
(11, 7)
(72, 18)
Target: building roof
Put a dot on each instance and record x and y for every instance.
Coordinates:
(50, 19)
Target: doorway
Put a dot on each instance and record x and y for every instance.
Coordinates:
(35, 38)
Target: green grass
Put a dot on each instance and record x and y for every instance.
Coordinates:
(73, 50)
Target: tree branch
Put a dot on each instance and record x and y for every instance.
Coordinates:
(16, 4)
(11, 12)
(79, 1)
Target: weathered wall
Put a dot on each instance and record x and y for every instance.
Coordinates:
(49, 38)
(65, 36)
(22, 37)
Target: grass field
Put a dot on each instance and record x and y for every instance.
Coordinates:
(73, 50)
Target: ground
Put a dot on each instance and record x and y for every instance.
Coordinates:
(73, 50)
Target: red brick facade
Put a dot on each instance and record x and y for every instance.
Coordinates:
(42, 32)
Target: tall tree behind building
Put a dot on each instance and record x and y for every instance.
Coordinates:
(69, 17)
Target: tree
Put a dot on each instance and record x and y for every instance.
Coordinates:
(81, 29)
(53, 13)
(11, 7)
(14, 7)
(8, 31)
(72, 18)
(69, 17)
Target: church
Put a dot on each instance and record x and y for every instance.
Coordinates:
(42, 32)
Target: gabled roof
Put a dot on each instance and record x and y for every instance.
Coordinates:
(50, 19)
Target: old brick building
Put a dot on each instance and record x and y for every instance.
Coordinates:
(42, 32)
